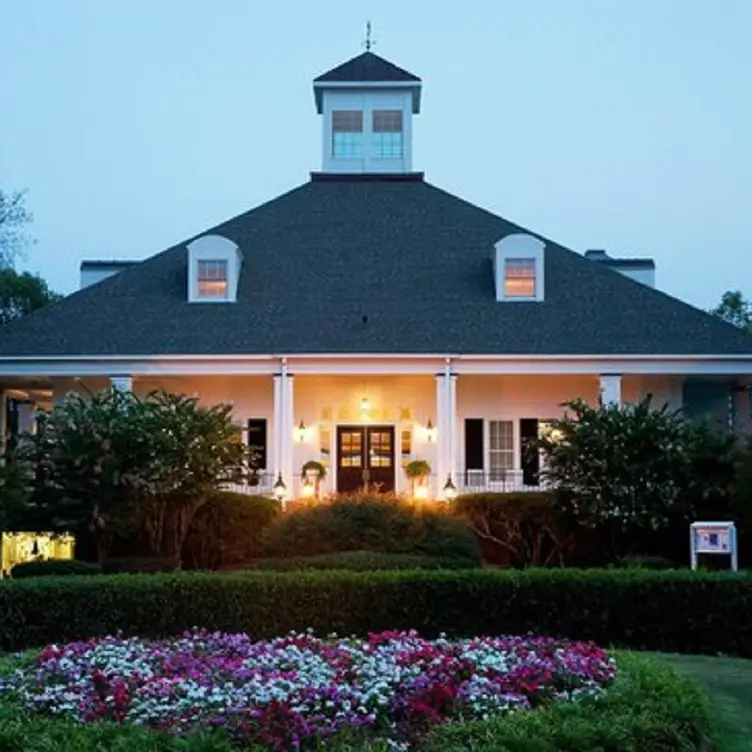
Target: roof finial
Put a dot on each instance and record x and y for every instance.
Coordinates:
(369, 41)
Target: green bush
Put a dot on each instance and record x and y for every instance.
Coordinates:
(523, 529)
(370, 523)
(361, 561)
(138, 564)
(673, 611)
(53, 567)
(226, 532)
(649, 708)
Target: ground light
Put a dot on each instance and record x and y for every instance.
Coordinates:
(450, 490)
(279, 489)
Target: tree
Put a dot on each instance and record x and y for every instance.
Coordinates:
(633, 468)
(114, 462)
(735, 309)
(21, 293)
(14, 217)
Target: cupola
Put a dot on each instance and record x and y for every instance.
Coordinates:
(367, 104)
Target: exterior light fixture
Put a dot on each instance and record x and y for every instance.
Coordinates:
(279, 489)
(420, 493)
(430, 431)
(302, 432)
(450, 490)
(307, 490)
(365, 405)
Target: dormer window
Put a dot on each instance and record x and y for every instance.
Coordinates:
(387, 134)
(214, 264)
(519, 268)
(213, 279)
(347, 134)
(519, 278)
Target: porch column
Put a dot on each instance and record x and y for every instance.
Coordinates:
(611, 388)
(452, 430)
(122, 383)
(277, 419)
(442, 429)
(288, 448)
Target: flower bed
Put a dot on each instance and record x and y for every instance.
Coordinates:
(292, 692)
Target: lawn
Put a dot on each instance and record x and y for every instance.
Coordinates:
(729, 682)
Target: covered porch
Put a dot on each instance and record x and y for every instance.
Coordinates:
(366, 420)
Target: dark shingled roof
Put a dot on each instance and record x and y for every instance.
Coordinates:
(368, 264)
(366, 67)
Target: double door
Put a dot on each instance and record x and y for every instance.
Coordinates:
(365, 458)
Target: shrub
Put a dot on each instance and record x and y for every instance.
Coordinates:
(53, 567)
(227, 531)
(649, 707)
(139, 564)
(361, 561)
(674, 611)
(371, 523)
(528, 529)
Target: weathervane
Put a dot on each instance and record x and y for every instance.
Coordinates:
(369, 42)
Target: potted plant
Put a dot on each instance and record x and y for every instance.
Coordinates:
(313, 473)
(417, 472)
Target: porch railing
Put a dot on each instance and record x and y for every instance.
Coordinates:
(480, 481)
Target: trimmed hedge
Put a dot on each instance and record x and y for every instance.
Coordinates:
(650, 708)
(674, 611)
(368, 522)
(53, 567)
(362, 561)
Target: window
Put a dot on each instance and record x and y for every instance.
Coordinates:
(519, 278)
(212, 279)
(387, 134)
(347, 134)
(257, 441)
(500, 449)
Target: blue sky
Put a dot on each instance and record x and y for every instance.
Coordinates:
(617, 124)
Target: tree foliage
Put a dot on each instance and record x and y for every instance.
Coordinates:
(114, 462)
(633, 467)
(14, 219)
(21, 293)
(735, 309)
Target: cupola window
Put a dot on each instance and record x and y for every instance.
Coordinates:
(347, 134)
(387, 134)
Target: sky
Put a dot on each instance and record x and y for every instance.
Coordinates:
(615, 124)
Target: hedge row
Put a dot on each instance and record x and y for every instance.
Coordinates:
(674, 611)
(649, 708)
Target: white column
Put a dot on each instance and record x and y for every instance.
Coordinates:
(278, 417)
(442, 455)
(288, 448)
(452, 428)
(611, 388)
(27, 417)
(122, 383)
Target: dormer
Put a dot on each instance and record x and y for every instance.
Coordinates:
(519, 268)
(213, 270)
(367, 104)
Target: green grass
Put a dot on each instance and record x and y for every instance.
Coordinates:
(729, 683)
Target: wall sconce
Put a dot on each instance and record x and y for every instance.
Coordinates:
(430, 431)
(365, 405)
(301, 432)
(279, 489)
(450, 490)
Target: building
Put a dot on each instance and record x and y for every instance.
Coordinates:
(367, 318)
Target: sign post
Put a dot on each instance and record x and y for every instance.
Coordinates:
(713, 538)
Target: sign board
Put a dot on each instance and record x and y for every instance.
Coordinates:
(713, 538)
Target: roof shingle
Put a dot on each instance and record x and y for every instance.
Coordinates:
(413, 259)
